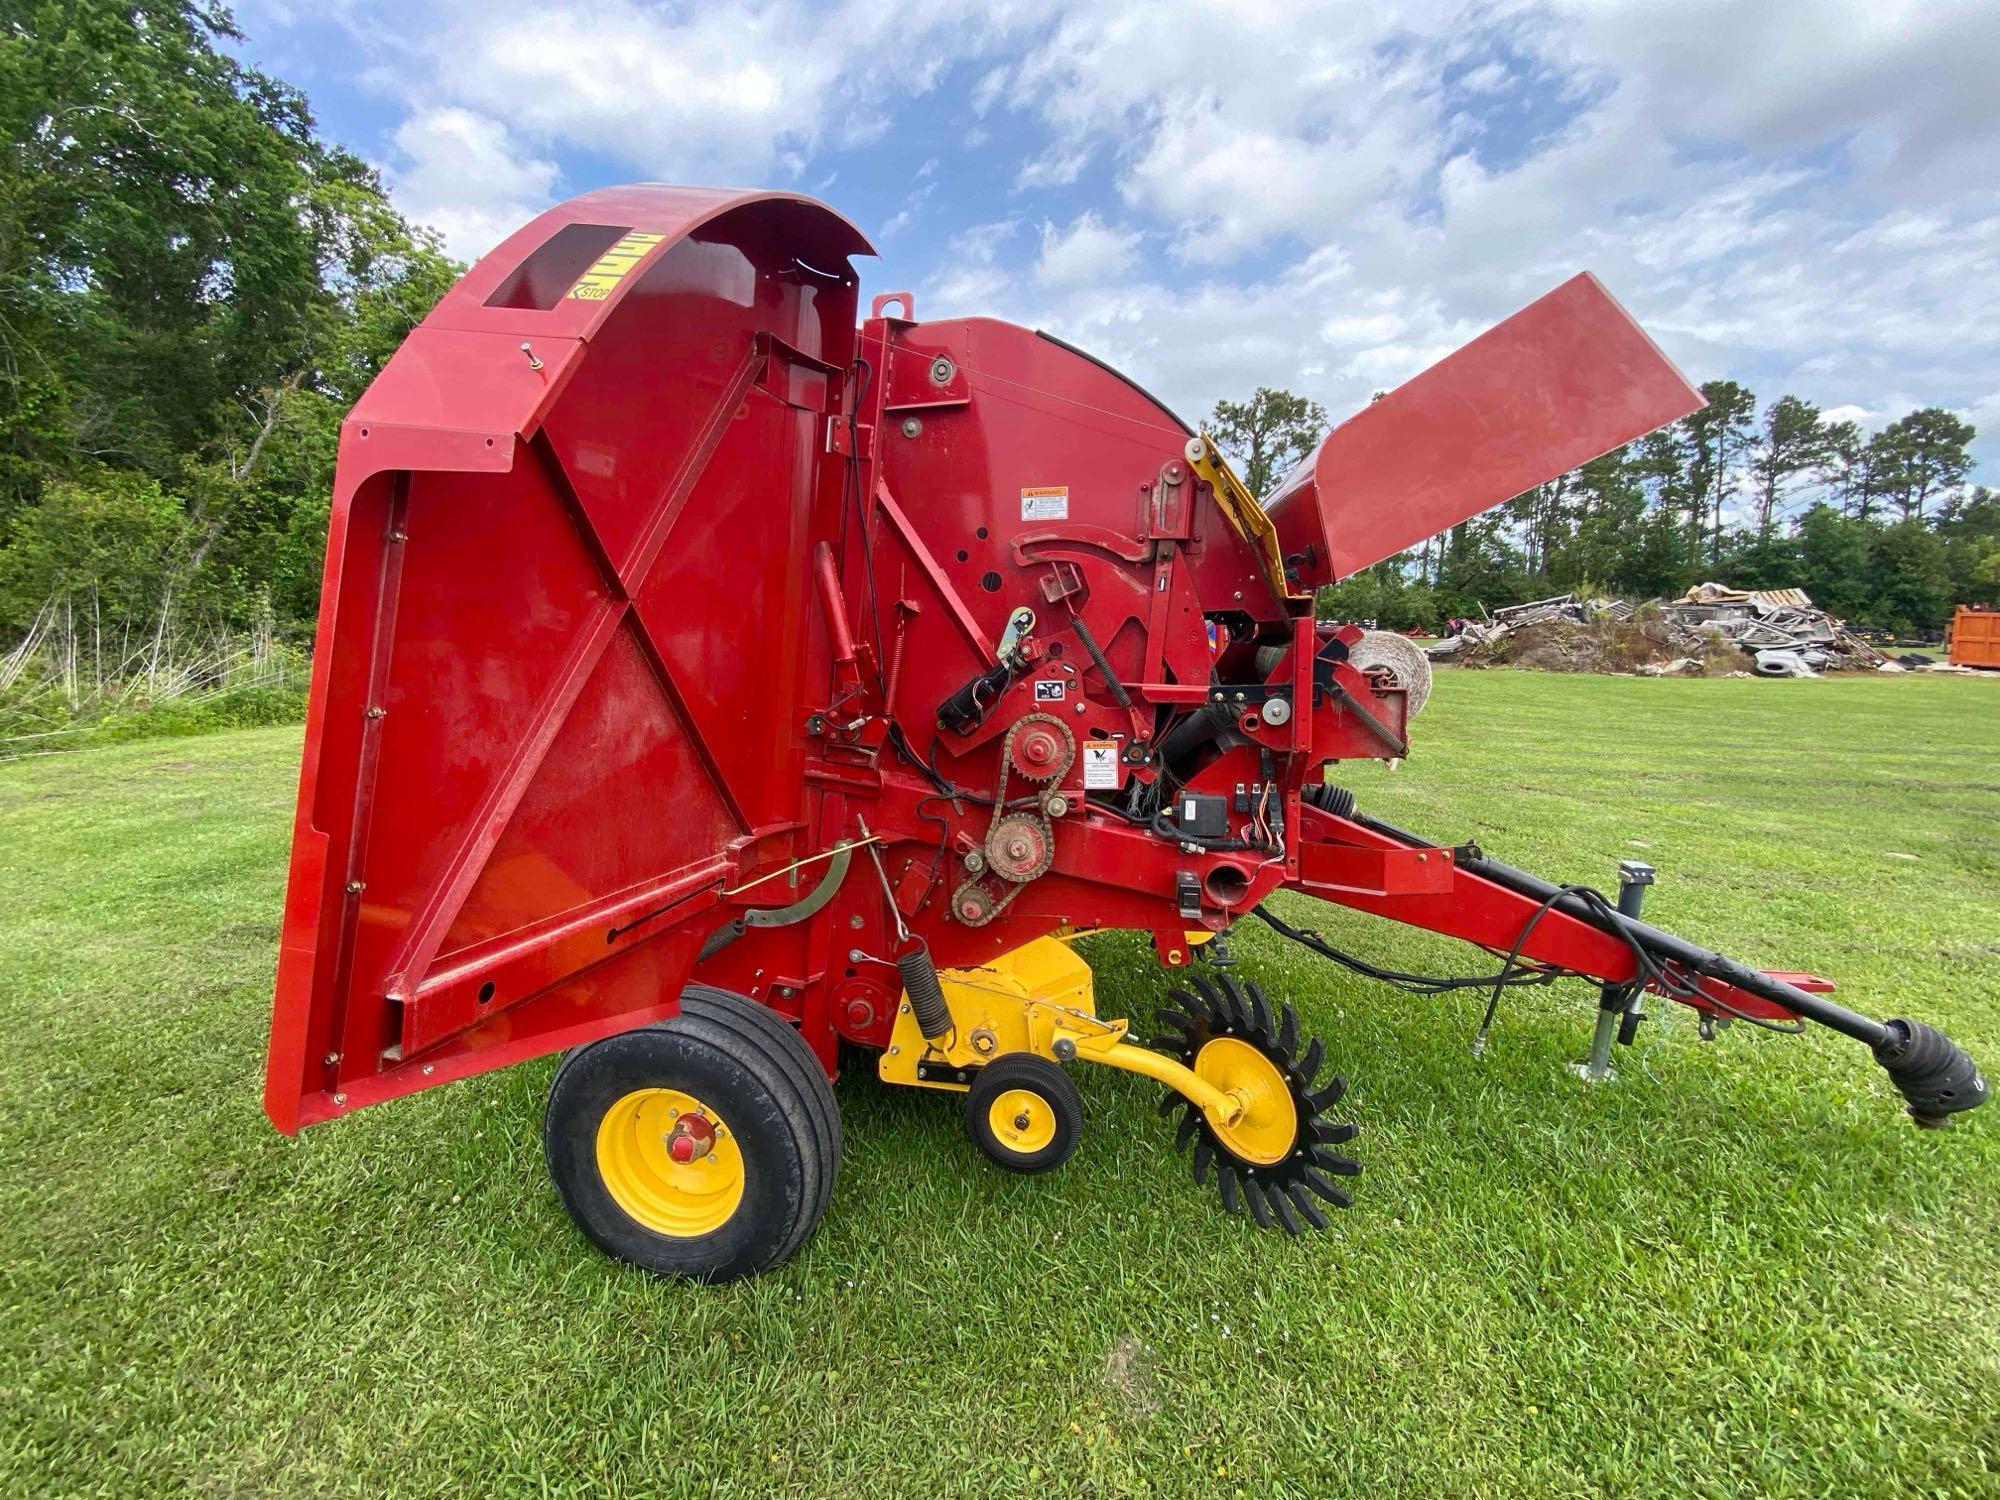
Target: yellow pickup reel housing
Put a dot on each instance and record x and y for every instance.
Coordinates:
(1232, 1067)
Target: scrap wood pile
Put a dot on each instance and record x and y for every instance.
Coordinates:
(1709, 631)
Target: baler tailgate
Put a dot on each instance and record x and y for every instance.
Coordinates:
(544, 502)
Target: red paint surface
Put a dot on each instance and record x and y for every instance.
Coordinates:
(1564, 380)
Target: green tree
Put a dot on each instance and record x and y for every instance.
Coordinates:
(1909, 585)
(194, 285)
(110, 545)
(1793, 442)
(1843, 467)
(1267, 435)
(1968, 526)
(1717, 437)
(1924, 455)
(1833, 560)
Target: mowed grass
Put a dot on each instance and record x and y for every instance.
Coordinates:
(1737, 1269)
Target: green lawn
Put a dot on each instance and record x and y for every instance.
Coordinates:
(1738, 1268)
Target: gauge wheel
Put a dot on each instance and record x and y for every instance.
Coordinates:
(1024, 1112)
(703, 1147)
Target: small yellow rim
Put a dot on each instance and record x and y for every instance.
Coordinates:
(1265, 1132)
(681, 1199)
(1021, 1120)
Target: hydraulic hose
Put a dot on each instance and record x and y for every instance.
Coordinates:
(1934, 1075)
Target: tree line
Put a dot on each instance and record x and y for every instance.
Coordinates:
(1879, 528)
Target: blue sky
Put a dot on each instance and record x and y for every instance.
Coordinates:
(1803, 197)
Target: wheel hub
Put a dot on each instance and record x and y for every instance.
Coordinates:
(1022, 1120)
(1270, 1150)
(1265, 1125)
(670, 1162)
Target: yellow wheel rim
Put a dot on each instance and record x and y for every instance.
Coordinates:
(1021, 1120)
(1269, 1126)
(682, 1199)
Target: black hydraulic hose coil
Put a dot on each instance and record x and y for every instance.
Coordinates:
(920, 983)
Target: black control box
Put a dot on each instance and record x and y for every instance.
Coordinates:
(1202, 815)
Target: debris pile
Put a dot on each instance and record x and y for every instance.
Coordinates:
(1706, 632)
(1569, 635)
(1780, 628)
(1561, 607)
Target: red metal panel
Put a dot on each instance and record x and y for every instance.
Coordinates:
(1567, 378)
(521, 705)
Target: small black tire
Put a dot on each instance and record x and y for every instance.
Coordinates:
(777, 1139)
(1024, 1112)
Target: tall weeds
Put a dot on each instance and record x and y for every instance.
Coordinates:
(73, 677)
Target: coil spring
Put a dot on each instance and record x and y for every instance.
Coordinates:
(921, 984)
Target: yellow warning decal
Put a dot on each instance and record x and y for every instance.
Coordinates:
(595, 284)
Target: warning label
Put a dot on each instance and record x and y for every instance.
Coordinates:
(595, 284)
(1100, 765)
(1050, 689)
(1048, 503)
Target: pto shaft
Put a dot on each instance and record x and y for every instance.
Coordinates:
(1934, 1075)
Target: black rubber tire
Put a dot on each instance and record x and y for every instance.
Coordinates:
(1025, 1070)
(752, 1067)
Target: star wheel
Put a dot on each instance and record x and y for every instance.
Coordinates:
(1275, 1158)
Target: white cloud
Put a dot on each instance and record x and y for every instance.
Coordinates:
(461, 174)
(710, 92)
(1058, 166)
(1087, 252)
(1800, 197)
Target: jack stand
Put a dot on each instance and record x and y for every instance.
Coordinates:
(1618, 1005)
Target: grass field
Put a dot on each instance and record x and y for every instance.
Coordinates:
(1737, 1269)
